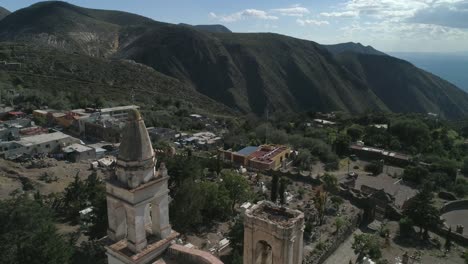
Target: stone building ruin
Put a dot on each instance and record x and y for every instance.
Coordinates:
(273, 235)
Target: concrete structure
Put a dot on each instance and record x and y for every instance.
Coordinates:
(78, 152)
(371, 153)
(273, 235)
(138, 205)
(36, 145)
(265, 157)
(203, 140)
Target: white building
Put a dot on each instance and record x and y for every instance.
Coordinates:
(38, 144)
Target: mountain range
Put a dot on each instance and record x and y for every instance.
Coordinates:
(246, 72)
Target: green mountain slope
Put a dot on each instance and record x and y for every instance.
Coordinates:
(248, 72)
(73, 79)
(253, 72)
(404, 87)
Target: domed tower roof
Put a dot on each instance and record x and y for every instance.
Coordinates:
(136, 143)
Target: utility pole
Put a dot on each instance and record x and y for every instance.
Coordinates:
(349, 162)
(267, 119)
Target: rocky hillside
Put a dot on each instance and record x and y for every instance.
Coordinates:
(50, 77)
(250, 72)
(62, 25)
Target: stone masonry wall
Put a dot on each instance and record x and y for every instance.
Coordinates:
(191, 256)
(331, 244)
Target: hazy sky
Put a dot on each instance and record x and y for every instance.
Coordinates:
(388, 25)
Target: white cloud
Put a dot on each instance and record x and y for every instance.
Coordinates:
(382, 9)
(304, 22)
(340, 14)
(393, 9)
(296, 10)
(443, 14)
(244, 14)
(213, 15)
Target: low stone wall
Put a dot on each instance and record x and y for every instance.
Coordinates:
(443, 230)
(191, 256)
(318, 257)
(455, 205)
(458, 238)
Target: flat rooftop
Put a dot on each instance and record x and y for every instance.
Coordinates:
(381, 151)
(266, 154)
(42, 138)
(263, 153)
(247, 150)
(76, 148)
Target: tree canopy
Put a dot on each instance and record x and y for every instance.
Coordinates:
(28, 234)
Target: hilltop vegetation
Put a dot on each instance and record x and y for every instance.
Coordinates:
(66, 81)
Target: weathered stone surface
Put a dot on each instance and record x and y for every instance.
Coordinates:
(137, 198)
(273, 234)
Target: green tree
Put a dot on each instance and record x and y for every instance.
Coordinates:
(355, 132)
(330, 182)
(464, 168)
(304, 159)
(274, 188)
(422, 211)
(186, 208)
(237, 186)
(74, 199)
(99, 102)
(320, 203)
(412, 133)
(415, 174)
(236, 234)
(339, 223)
(98, 222)
(367, 245)
(459, 187)
(282, 189)
(28, 234)
(406, 227)
(375, 167)
(342, 144)
(217, 202)
(236, 258)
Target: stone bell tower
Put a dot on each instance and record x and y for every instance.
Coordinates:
(137, 200)
(273, 235)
